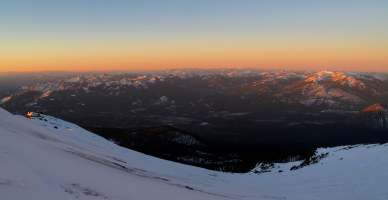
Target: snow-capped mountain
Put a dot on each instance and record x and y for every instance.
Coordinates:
(55, 159)
(332, 89)
(335, 78)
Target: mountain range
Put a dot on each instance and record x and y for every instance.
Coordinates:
(193, 96)
(325, 88)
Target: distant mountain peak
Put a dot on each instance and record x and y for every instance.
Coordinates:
(340, 78)
(373, 116)
(326, 72)
(374, 107)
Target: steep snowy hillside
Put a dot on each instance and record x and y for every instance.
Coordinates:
(55, 159)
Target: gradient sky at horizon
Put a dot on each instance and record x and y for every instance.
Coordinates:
(131, 35)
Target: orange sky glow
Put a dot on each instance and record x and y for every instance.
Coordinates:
(303, 35)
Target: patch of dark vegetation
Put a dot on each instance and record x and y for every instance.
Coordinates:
(190, 188)
(309, 161)
(264, 167)
(77, 190)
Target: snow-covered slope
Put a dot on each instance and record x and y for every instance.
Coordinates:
(48, 158)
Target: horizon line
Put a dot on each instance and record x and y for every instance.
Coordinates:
(187, 68)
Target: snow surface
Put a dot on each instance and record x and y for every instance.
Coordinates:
(47, 158)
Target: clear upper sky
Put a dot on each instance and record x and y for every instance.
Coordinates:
(163, 34)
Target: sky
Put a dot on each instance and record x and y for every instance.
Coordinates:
(85, 35)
